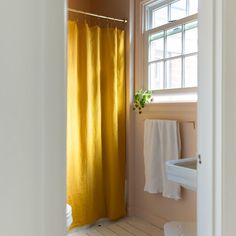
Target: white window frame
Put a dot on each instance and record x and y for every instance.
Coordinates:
(144, 43)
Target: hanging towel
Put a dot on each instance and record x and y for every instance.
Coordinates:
(161, 143)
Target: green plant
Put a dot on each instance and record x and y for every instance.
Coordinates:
(141, 98)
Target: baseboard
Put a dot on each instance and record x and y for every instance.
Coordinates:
(130, 211)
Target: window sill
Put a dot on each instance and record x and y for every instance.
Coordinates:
(172, 109)
(175, 98)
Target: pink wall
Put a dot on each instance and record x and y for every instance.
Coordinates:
(113, 8)
(154, 207)
(83, 5)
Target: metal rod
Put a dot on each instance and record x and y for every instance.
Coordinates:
(95, 15)
(190, 122)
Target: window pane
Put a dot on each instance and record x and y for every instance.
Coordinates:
(178, 10)
(156, 47)
(174, 42)
(173, 73)
(193, 7)
(190, 74)
(159, 17)
(156, 76)
(191, 38)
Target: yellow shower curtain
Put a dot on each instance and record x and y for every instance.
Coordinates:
(95, 123)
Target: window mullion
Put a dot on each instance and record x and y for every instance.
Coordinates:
(164, 64)
(187, 7)
(182, 60)
(150, 22)
(170, 58)
(172, 24)
(146, 53)
(149, 31)
(169, 16)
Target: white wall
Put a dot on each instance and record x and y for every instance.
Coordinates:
(205, 117)
(217, 205)
(229, 117)
(32, 119)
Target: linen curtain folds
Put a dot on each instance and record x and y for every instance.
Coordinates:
(95, 123)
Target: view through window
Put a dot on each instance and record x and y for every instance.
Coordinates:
(171, 32)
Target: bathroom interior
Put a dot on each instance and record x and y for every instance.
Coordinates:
(132, 170)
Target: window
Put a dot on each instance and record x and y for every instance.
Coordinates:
(170, 46)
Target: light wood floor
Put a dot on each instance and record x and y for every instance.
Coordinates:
(127, 227)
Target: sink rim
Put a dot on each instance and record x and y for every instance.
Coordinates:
(183, 175)
(183, 160)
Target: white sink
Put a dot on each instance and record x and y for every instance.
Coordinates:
(183, 172)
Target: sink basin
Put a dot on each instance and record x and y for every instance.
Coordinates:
(183, 172)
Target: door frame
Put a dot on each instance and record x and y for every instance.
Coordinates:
(209, 203)
(209, 196)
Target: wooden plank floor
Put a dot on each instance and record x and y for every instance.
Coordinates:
(131, 226)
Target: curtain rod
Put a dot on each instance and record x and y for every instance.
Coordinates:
(95, 15)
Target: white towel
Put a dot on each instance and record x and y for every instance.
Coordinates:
(161, 143)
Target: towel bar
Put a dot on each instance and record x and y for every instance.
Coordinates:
(191, 122)
(187, 121)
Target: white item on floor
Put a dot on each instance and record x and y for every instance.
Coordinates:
(69, 218)
(176, 228)
(161, 144)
